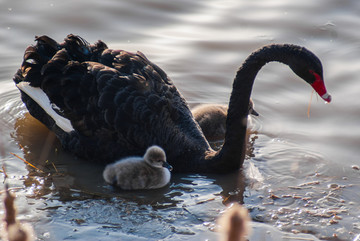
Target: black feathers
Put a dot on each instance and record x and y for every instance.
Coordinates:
(118, 102)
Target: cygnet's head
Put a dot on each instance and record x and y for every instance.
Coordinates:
(251, 109)
(155, 156)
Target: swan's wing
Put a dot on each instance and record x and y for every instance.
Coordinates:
(120, 59)
(120, 110)
(93, 96)
(39, 97)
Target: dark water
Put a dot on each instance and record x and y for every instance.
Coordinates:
(299, 175)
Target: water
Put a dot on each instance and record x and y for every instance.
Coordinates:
(298, 174)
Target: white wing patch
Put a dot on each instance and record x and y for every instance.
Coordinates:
(41, 98)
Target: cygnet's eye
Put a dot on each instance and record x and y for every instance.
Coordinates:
(159, 161)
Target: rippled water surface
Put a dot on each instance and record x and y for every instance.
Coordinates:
(300, 177)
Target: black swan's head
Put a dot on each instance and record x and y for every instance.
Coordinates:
(308, 67)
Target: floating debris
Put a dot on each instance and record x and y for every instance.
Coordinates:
(309, 183)
(306, 185)
(273, 196)
(78, 221)
(333, 185)
(55, 167)
(326, 213)
(306, 198)
(26, 162)
(297, 197)
(4, 171)
(204, 201)
(333, 221)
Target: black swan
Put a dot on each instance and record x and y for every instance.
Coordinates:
(212, 119)
(148, 172)
(107, 104)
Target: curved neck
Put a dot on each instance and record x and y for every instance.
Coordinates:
(233, 152)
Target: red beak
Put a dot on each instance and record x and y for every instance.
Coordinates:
(319, 87)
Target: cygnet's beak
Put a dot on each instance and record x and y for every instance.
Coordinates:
(254, 112)
(168, 166)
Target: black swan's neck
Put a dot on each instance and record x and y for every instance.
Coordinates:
(233, 151)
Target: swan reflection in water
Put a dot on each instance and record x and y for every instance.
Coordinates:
(64, 173)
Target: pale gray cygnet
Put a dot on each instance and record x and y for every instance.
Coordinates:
(148, 172)
(212, 119)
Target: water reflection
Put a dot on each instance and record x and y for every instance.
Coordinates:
(68, 183)
(274, 189)
(63, 170)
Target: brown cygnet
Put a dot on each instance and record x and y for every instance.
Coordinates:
(212, 119)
